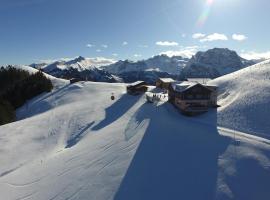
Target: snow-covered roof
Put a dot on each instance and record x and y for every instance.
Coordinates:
(199, 80)
(136, 83)
(185, 85)
(166, 80)
(182, 86)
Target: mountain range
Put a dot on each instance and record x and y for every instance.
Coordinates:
(212, 63)
(80, 68)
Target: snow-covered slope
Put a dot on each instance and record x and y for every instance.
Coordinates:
(76, 143)
(55, 81)
(244, 97)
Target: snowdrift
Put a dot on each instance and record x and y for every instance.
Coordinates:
(244, 97)
(76, 143)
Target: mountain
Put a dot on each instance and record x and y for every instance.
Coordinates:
(160, 63)
(80, 67)
(149, 77)
(148, 70)
(214, 63)
(76, 143)
(210, 64)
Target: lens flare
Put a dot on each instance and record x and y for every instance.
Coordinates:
(205, 14)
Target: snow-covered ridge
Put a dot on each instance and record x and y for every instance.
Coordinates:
(55, 81)
(244, 97)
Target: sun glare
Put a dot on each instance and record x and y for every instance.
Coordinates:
(205, 13)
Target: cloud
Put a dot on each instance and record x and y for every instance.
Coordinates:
(183, 35)
(124, 43)
(239, 37)
(166, 43)
(105, 46)
(49, 61)
(252, 55)
(96, 61)
(214, 37)
(101, 61)
(90, 45)
(98, 50)
(186, 52)
(198, 35)
(115, 54)
(192, 47)
(143, 46)
(137, 55)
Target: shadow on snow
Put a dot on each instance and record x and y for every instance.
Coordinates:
(175, 159)
(39, 104)
(78, 136)
(117, 110)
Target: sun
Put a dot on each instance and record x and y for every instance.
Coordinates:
(205, 13)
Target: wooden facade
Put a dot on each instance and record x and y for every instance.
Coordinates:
(192, 98)
(164, 83)
(74, 80)
(137, 88)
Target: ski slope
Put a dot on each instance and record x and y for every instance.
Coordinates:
(244, 97)
(76, 143)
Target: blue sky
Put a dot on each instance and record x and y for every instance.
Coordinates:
(36, 30)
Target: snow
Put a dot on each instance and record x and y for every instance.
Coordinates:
(80, 63)
(160, 63)
(76, 143)
(199, 80)
(244, 97)
(136, 83)
(167, 80)
(57, 83)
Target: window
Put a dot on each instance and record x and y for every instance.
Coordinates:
(199, 96)
(190, 96)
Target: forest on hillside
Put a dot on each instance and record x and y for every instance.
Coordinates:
(16, 87)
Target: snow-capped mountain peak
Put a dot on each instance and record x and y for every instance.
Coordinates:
(79, 67)
(214, 63)
(162, 63)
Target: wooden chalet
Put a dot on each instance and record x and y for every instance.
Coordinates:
(164, 83)
(74, 80)
(137, 88)
(192, 97)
